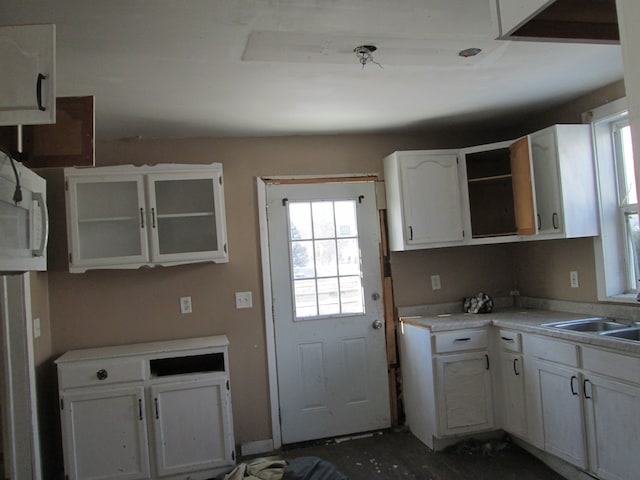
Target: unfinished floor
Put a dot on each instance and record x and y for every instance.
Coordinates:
(399, 455)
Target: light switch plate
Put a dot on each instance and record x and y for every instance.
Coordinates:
(573, 277)
(36, 328)
(244, 300)
(435, 282)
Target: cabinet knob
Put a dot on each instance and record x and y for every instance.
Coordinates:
(102, 374)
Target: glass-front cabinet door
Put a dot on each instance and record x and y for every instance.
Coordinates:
(129, 217)
(187, 217)
(107, 221)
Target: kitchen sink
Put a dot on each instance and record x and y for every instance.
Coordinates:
(597, 325)
(630, 333)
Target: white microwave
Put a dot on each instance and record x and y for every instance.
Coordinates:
(24, 224)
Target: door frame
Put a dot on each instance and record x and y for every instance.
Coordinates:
(21, 446)
(262, 182)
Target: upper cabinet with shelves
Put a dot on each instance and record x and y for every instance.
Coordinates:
(499, 190)
(539, 186)
(128, 217)
(27, 86)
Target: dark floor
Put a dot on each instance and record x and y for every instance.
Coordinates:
(399, 455)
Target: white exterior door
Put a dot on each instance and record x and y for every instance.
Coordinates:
(327, 308)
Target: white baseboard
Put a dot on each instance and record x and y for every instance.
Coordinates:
(257, 447)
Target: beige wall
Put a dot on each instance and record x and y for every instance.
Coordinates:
(119, 306)
(464, 271)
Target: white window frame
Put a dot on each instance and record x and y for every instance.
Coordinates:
(610, 248)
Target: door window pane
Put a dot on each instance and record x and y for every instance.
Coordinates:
(325, 258)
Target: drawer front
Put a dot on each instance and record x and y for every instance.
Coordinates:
(510, 341)
(615, 365)
(551, 350)
(460, 340)
(100, 372)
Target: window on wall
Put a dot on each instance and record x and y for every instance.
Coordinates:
(627, 200)
(617, 248)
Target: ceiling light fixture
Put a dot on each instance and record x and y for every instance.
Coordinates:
(365, 54)
(469, 52)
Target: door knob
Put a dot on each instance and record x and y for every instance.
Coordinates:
(375, 296)
(377, 325)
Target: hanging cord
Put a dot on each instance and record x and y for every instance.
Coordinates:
(17, 194)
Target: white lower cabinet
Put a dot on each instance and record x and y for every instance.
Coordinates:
(511, 384)
(190, 429)
(613, 421)
(447, 383)
(159, 410)
(554, 409)
(106, 431)
(583, 405)
(560, 406)
(464, 393)
(611, 390)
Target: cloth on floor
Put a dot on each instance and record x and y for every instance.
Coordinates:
(312, 468)
(268, 468)
(274, 468)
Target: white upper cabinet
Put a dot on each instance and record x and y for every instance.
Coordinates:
(565, 183)
(128, 217)
(423, 199)
(27, 84)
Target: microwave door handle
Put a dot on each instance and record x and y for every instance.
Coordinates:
(44, 219)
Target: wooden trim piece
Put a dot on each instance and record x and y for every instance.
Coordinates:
(522, 187)
(389, 321)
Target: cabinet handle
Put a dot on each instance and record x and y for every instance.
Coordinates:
(539, 222)
(41, 77)
(465, 339)
(584, 388)
(554, 220)
(486, 357)
(44, 224)
(102, 374)
(140, 408)
(515, 366)
(410, 232)
(573, 390)
(507, 339)
(155, 402)
(142, 218)
(153, 218)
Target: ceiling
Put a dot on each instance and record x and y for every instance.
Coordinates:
(183, 68)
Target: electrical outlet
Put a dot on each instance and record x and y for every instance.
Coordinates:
(185, 305)
(435, 282)
(573, 277)
(244, 300)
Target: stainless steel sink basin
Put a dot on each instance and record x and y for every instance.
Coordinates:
(630, 333)
(597, 325)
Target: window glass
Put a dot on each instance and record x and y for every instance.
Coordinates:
(325, 258)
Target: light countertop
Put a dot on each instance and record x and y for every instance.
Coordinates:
(523, 320)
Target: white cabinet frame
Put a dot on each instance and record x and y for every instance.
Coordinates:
(117, 228)
(158, 410)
